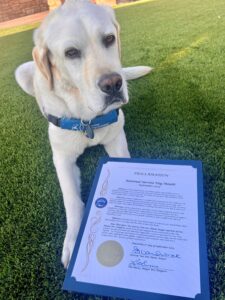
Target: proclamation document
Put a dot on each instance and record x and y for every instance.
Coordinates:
(143, 233)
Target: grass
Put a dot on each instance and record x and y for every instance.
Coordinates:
(178, 112)
(16, 29)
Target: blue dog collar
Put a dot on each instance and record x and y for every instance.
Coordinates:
(85, 126)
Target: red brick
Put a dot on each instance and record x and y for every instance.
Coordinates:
(12, 9)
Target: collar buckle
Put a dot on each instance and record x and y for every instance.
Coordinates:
(87, 128)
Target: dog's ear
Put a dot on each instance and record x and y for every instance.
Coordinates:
(24, 76)
(41, 59)
(131, 73)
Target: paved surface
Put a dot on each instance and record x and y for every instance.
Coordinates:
(24, 20)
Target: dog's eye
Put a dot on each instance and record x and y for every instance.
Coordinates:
(109, 40)
(73, 53)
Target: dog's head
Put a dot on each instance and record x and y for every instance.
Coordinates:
(79, 45)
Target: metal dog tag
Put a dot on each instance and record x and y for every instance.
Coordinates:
(89, 131)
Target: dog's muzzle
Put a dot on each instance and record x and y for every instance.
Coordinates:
(111, 85)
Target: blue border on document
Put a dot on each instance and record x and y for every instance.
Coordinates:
(70, 283)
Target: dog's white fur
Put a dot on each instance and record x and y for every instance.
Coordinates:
(68, 87)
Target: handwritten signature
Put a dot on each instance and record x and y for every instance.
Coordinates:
(160, 254)
(144, 265)
(140, 264)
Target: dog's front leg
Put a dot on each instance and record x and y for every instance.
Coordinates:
(118, 146)
(69, 178)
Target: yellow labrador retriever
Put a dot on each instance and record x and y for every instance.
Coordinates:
(79, 84)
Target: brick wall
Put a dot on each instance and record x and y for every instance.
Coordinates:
(12, 9)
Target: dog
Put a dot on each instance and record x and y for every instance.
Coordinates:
(80, 86)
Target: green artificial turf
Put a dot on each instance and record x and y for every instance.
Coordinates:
(177, 112)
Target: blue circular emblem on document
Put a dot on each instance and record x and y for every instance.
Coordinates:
(101, 202)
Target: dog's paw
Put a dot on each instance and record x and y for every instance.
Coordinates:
(67, 252)
(71, 236)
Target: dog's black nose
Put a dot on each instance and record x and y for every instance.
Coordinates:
(110, 83)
